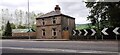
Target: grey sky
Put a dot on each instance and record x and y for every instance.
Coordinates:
(74, 8)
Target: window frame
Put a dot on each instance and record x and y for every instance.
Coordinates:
(54, 20)
(43, 21)
(54, 32)
(43, 32)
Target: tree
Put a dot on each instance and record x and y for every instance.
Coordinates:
(16, 15)
(105, 13)
(8, 30)
(12, 25)
(21, 27)
(20, 17)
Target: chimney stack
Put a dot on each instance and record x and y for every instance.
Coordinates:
(57, 8)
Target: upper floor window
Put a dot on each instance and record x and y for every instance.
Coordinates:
(43, 22)
(68, 21)
(54, 20)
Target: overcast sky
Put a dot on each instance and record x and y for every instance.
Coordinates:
(74, 8)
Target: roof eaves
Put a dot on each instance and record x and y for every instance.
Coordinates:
(55, 15)
(67, 16)
(48, 16)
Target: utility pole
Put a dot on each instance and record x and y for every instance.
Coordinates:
(28, 21)
(2, 23)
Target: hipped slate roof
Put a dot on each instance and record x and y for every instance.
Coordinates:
(52, 13)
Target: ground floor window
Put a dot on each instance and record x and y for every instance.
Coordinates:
(54, 32)
(43, 32)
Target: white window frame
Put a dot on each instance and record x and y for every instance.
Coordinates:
(43, 32)
(54, 19)
(54, 31)
(43, 20)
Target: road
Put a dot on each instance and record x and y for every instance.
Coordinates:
(26, 46)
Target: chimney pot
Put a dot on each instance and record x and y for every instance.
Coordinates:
(57, 7)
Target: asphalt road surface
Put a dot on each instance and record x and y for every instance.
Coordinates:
(27, 46)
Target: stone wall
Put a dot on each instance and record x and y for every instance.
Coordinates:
(24, 34)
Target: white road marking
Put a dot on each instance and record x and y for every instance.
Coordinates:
(58, 50)
(101, 42)
(27, 41)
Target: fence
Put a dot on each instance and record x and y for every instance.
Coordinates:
(105, 33)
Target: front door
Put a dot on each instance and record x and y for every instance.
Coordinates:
(65, 34)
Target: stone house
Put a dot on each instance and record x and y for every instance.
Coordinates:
(54, 25)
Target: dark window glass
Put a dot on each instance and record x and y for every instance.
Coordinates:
(43, 32)
(54, 33)
(43, 23)
(53, 29)
(43, 29)
(54, 20)
(43, 19)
